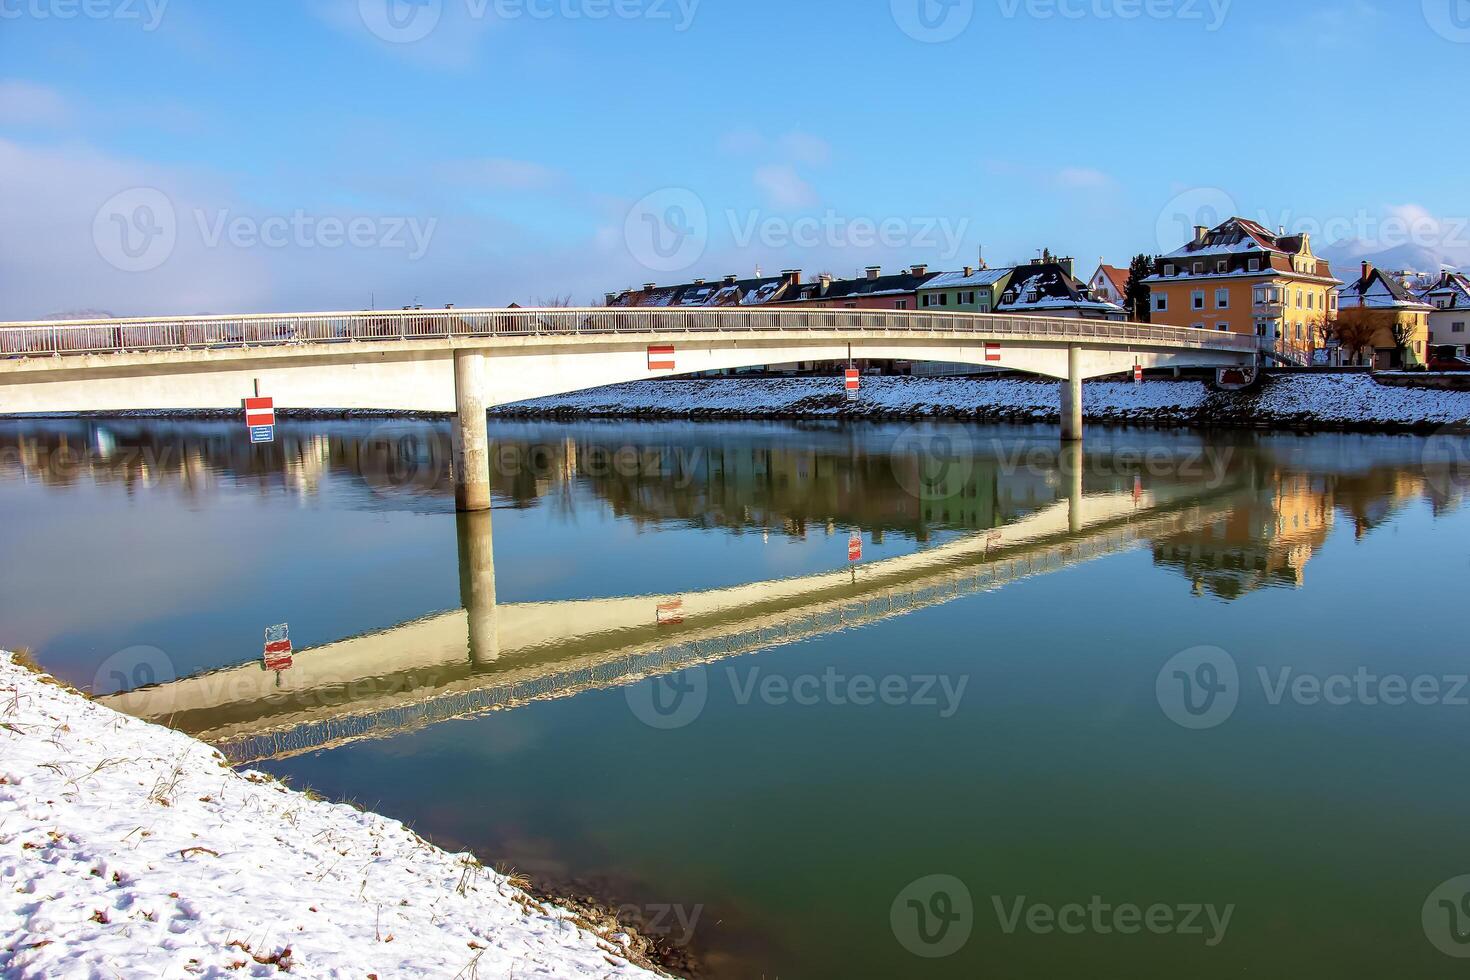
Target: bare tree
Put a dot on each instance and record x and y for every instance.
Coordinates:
(1356, 333)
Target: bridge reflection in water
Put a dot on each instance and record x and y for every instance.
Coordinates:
(490, 655)
(1248, 519)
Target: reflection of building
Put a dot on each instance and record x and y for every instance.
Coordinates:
(1266, 542)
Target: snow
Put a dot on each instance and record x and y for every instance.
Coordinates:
(1323, 401)
(127, 850)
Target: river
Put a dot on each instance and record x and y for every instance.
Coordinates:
(819, 700)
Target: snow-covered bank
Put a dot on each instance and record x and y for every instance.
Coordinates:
(1336, 401)
(127, 850)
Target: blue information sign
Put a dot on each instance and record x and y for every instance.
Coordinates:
(262, 433)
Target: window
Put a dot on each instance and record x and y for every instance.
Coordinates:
(1222, 299)
(1254, 265)
(944, 299)
(1197, 299)
(1169, 269)
(1199, 268)
(967, 299)
(1300, 299)
(1198, 326)
(1457, 327)
(1222, 266)
(1161, 302)
(900, 304)
(1311, 301)
(1223, 327)
(1300, 333)
(927, 300)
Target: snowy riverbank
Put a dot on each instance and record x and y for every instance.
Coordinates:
(1330, 401)
(129, 850)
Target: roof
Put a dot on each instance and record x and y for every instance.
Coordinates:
(1047, 287)
(980, 277)
(1378, 291)
(740, 292)
(894, 285)
(1236, 242)
(1452, 286)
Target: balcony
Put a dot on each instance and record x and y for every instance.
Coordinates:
(1269, 307)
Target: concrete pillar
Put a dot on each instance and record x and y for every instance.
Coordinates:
(471, 433)
(1072, 464)
(477, 585)
(1072, 397)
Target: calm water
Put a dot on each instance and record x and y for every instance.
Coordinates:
(1176, 705)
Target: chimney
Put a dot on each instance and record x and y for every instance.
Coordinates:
(1067, 264)
(792, 276)
(449, 306)
(731, 280)
(610, 298)
(969, 271)
(649, 287)
(826, 280)
(699, 282)
(1367, 268)
(1200, 231)
(918, 270)
(874, 271)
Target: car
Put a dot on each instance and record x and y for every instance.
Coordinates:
(1448, 359)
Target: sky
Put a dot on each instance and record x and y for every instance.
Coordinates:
(204, 156)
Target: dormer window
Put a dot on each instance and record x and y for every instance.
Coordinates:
(1222, 266)
(1170, 270)
(1199, 268)
(1254, 265)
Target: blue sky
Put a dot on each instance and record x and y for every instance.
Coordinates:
(158, 156)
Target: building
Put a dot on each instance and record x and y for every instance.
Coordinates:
(968, 291)
(1047, 287)
(730, 291)
(1110, 284)
(1394, 324)
(1450, 297)
(874, 291)
(1240, 278)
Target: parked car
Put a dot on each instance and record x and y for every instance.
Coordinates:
(1447, 359)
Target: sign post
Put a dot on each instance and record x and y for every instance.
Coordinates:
(278, 647)
(853, 382)
(260, 419)
(855, 548)
(1138, 374)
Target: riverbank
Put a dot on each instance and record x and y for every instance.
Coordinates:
(130, 850)
(1340, 402)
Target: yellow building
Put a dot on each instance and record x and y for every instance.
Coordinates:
(1240, 278)
(1381, 319)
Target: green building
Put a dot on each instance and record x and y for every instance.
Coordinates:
(970, 291)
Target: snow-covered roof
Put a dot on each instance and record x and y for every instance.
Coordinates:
(977, 278)
(1046, 287)
(1453, 287)
(1380, 292)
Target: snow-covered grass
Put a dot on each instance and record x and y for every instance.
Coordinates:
(127, 850)
(1325, 401)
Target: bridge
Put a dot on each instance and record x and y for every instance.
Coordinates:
(464, 361)
(496, 656)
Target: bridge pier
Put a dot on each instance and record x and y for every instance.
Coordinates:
(1072, 397)
(1073, 462)
(477, 585)
(471, 433)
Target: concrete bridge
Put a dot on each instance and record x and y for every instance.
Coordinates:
(494, 656)
(463, 361)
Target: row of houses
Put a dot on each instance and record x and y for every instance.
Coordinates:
(1237, 277)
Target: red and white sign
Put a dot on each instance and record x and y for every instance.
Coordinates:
(1138, 374)
(855, 548)
(670, 613)
(661, 358)
(854, 379)
(992, 352)
(260, 411)
(278, 648)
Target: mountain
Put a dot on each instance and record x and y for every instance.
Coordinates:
(1347, 258)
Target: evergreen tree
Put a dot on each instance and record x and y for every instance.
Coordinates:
(1137, 298)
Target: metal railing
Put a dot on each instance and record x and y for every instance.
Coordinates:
(278, 329)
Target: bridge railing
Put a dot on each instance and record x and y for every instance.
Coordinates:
(259, 330)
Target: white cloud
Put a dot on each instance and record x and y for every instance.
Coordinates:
(807, 149)
(784, 188)
(25, 103)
